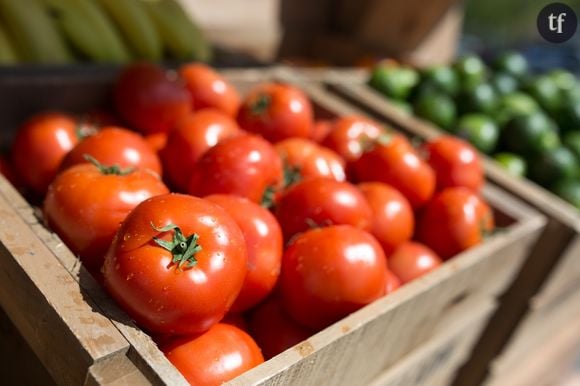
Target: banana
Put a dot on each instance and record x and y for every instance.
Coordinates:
(7, 52)
(136, 27)
(35, 37)
(90, 32)
(179, 33)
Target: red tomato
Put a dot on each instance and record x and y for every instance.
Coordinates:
(276, 111)
(214, 357)
(177, 264)
(321, 129)
(397, 164)
(237, 320)
(319, 202)
(210, 89)
(40, 145)
(393, 219)
(412, 260)
(307, 159)
(327, 273)
(455, 220)
(115, 146)
(274, 330)
(455, 162)
(156, 141)
(85, 205)
(392, 282)
(150, 99)
(264, 244)
(246, 166)
(190, 139)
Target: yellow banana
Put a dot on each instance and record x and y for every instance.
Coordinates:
(180, 35)
(136, 26)
(7, 52)
(35, 37)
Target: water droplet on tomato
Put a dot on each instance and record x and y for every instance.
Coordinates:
(130, 276)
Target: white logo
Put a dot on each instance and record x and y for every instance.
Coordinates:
(559, 20)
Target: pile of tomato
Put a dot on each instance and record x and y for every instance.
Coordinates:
(231, 228)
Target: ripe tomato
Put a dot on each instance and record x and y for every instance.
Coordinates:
(455, 220)
(319, 202)
(264, 244)
(246, 166)
(274, 330)
(412, 260)
(150, 99)
(190, 139)
(276, 111)
(304, 158)
(327, 273)
(209, 89)
(115, 146)
(392, 282)
(393, 219)
(40, 145)
(321, 129)
(396, 163)
(177, 264)
(156, 141)
(214, 357)
(455, 162)
(237, 320)
(86, 203)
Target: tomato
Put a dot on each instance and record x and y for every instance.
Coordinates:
(393, 219)
(321, 129)
(7, 171)
(305, 159)
(156, 141)
(209, 89)
(115, 146)
(412, 260)
(86, 203)
(392, 282)
(237, 320)
(190, 139)
(264, 245)
(455, 162)
(246, 166)
(274, 330)
(397, 164)
(176, 264)
(319, 202)
(214, 357)
(327, 273)
(150, 99)
(455, 220)
(39, 147)
(276, 111)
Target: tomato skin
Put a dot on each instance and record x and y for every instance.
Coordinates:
(392, 282)
(310, 159)
(208, 89)
(274, 330)
(192, 136)
(156, 141)
(321, 129)
(149, 99)
(85, 207)
(455, 220)
(214, 357)
(397, 164)
(244, 166)
(412, 260)
(318, 271)
(264, 245)
(393, 218)
(455, 162)
(158, 295)
(115, 146)
(322, 201)
(350, 135)
(276, 111)
(39, 147)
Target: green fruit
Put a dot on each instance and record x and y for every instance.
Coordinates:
(437, 108)
(481, 98)
(569, 190)
(572, 141)
(394, 82)
(512, 163)
(471, 71)
(572, 95)
(553, 166)
(545, 91)
(515, 104)
(402, 106)
(504, 83)
(443, 79)
(530, 134)
(569, 117)
(512, 63)
(563, 79)
(480, 130)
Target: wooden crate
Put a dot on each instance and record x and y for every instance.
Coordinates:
(550, 270)
(81, 337)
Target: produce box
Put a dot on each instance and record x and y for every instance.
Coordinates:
(420, 333)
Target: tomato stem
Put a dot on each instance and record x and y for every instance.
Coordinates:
(261, 104)
(114, 169)
(182, 248)
(268, 198)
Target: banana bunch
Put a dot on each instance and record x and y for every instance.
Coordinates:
(106, 31)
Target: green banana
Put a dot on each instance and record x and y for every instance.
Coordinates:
(136, 27)
(90, 32)
(180, 35)
(35, 37)
(7, 52)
